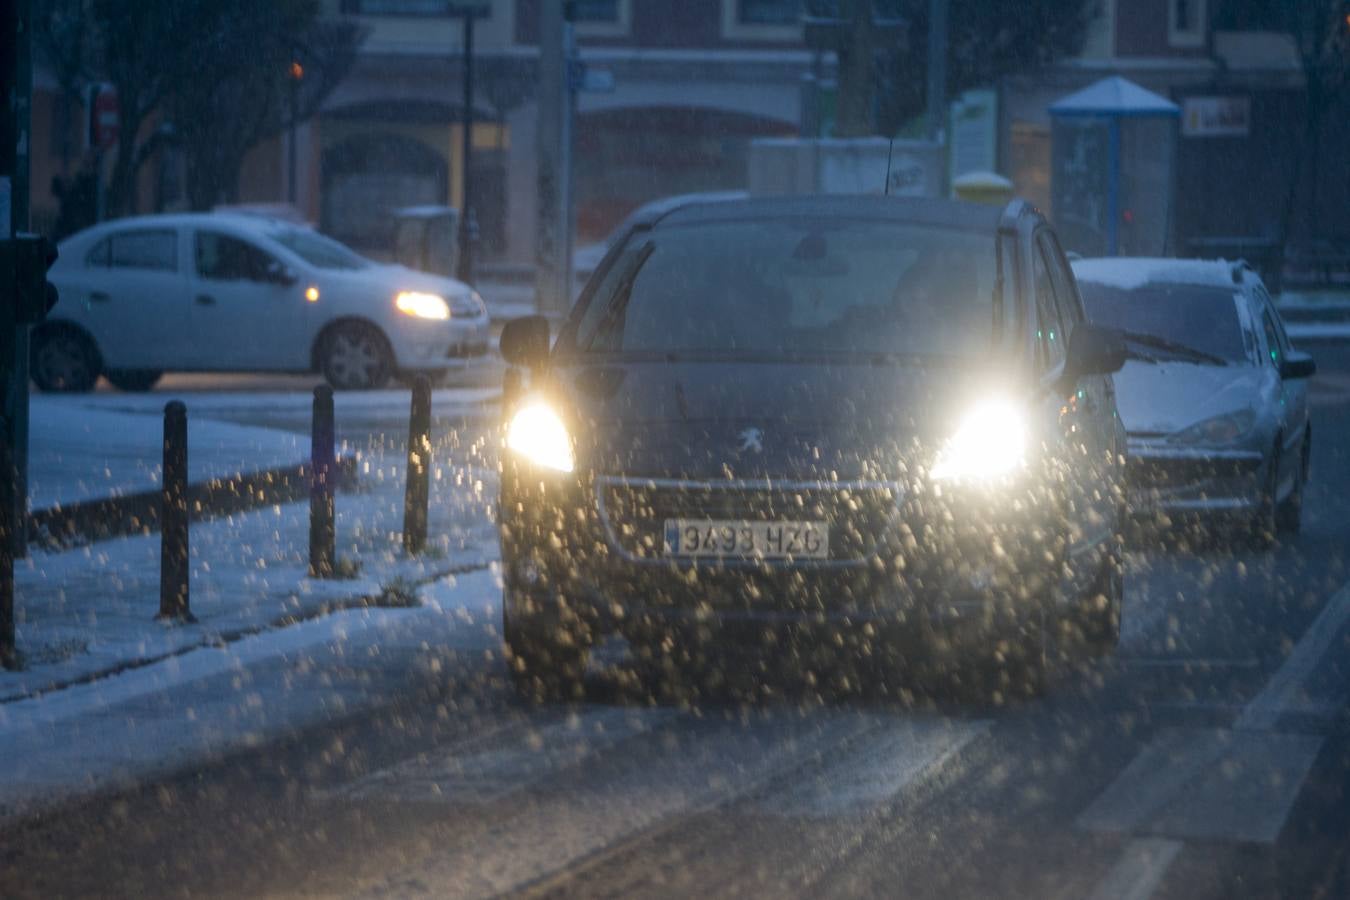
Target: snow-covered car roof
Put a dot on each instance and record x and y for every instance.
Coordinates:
(1130, 272)
(247, 221)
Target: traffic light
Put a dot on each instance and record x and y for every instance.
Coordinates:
(24, 262)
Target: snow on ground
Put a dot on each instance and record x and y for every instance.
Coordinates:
(80, 452)
(91, 610)
(215, 699)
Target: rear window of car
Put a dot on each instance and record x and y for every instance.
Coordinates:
(796, 287)
(1202, 317)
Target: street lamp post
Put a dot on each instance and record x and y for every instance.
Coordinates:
(297, 72)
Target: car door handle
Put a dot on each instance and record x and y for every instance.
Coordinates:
(206, 300)
(98, 297)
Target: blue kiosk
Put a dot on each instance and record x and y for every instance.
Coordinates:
(1113, 158)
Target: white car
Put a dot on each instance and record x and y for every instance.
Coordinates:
(1213, 397)
(235, 292)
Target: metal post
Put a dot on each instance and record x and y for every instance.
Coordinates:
(418, 495)
(567, 199)
(16, 404)
(174, 569)
(291, 192)
(937, 69)
(465, 239)
(552, 93)
(9, 655)
(322, 484)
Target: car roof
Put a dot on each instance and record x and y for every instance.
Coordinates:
(247, 221)
(1131, 272)
(915, 210)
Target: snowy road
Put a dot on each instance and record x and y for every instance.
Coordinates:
(1210, 758)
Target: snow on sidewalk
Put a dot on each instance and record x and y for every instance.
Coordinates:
(91, 610)
(99, 445)
(208, 702)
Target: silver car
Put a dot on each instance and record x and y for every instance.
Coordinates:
(1213, 397)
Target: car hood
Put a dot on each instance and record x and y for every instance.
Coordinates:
(1160, 398)
(720, 420)
(391, 278)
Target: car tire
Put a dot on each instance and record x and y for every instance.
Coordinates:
(133, 381)
(355, 356)
(544, 668)
(63, 360)
(1289, 515)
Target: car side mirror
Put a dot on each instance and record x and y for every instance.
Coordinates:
(1094, 350)
(1297, 365)
(525, 342)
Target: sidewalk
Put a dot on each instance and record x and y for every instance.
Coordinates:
(88, 612)
(214, 700)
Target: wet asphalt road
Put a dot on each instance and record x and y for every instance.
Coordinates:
(1209, 758)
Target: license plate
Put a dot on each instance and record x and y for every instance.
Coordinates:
(737, 538)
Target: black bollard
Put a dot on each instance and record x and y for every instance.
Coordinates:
(173, 519)
(322, 483)
(418, 496)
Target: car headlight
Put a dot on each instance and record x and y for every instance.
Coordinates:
(1224, 429)
(539, 435)
(468, 305)
(422, 305)
(990, 442)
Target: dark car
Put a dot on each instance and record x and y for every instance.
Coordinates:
(863, 422)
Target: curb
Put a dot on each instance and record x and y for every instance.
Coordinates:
(224, 638)
(60, 527)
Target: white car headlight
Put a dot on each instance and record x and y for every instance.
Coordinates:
(1217, 430)
(990, 442)
(422, 305)
(539, 435)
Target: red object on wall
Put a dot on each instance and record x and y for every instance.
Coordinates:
(105, 117)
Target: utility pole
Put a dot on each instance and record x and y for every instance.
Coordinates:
(553, 278)
(466, 218)
(297, 72)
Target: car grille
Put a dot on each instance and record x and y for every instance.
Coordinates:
(1180, 472)
(634, 512)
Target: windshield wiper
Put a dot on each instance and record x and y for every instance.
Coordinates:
(1168, 346)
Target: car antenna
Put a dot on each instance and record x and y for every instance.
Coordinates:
(890, 149)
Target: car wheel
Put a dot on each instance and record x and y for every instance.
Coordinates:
(63, 360)
(1289, 515)
(354, 356)
(133, 380)
(544, 667)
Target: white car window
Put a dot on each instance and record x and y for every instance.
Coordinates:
(220, 257)
(143, 249)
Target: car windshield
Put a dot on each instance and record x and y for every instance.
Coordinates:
(318, 250)
(1195, 317)
(785, 288)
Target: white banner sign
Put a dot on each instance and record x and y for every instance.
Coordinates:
(1216, 116)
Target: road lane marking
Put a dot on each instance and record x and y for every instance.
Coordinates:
(1235, 784)
(1139, 871)
(1285, 688)
(1207, 784)
(875, 770)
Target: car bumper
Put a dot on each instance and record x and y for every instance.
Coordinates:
(956, 568)
(420, 345)
(1163, 479)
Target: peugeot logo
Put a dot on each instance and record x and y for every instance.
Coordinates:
(752, 440)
